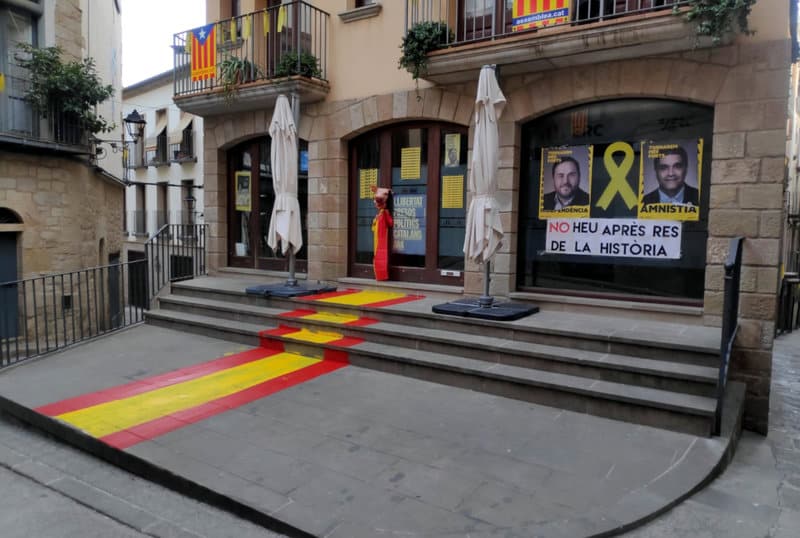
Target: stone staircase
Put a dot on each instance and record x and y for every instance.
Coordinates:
(646, 372)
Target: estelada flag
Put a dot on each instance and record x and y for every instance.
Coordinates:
(204, 52)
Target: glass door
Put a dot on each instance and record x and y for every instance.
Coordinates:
(425, 167)
(251, 198)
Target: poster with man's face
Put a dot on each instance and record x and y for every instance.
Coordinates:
(670, 183)
(565, 181)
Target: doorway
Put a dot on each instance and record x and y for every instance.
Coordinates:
(425, 166)
(251, 198)
(8, 293)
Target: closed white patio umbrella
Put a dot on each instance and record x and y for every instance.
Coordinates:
(284, 225)
(484, 231)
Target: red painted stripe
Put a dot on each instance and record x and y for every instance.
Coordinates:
(163, 380)
(347, 341)
(160, 426)
(328, 295)
(278, 331)
(299, 313)
(399, 300)
(336, 355)
(362, 322)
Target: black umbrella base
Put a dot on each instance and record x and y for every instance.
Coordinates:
(471, 308)
(286, 290)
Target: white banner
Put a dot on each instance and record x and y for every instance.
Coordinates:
(625, 238)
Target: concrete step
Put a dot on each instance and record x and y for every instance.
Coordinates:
(653, 373)
(589, 333)
(666, 409)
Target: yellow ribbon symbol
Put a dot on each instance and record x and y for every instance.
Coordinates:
(619, 176)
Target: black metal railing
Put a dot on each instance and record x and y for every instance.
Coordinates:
(175, 252)
(19, 120)
(48, 313)
(730, 322)
(184, 150)
(157, 156)
(278, 42)
(476, 20)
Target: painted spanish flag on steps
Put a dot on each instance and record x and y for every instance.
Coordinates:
(129, 414)
(370, 298)
(539, 13)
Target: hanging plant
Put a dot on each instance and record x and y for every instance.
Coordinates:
(421, 39)
(69, 88)
(717, 18)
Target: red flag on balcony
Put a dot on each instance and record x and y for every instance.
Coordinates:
(204, 52)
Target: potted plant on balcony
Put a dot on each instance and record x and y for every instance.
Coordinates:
(66, 93)
(717, 18)
(304, 64)
(234, 71)
(421, 39)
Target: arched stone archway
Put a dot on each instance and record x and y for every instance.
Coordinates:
(10, 228)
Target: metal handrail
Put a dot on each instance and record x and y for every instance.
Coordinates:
(481, 20)
(176, 252)
(47, 313)
(730, 322)
(272, 43)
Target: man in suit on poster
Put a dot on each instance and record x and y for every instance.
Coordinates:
(566, 181)
(671, 168)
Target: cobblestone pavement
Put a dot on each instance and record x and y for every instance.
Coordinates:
(759, 493)
(51, 490)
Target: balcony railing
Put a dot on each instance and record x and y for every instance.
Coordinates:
(183, 151)
(19, 121)
(157, 156)
(476, 20)
(274, 43)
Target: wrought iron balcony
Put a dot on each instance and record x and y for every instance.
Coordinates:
(183, 151)
(52, 129)
(480, 32)
(256, 56)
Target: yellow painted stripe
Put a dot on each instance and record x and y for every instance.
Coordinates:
(332, 317)
(321, 337)
(364, 297)
(104, 419)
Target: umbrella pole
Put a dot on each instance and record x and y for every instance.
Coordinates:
(485, 300)
(292, 281)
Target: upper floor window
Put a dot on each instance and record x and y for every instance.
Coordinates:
(16, 27)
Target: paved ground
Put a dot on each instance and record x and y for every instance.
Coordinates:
(51, 490)
(361, 453)
(758, 496)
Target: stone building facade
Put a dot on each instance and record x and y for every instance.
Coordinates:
(742, 85)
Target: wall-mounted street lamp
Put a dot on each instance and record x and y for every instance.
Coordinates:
(134, 126)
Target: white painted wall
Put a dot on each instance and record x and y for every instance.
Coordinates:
(148, 102)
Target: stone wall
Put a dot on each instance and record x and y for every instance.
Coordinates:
(66, 209)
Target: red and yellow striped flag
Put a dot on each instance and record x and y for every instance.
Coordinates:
(539, 13)
(204, 52)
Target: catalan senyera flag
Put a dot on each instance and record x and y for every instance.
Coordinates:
(539, 13)
(204, 52)
(2, 83)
